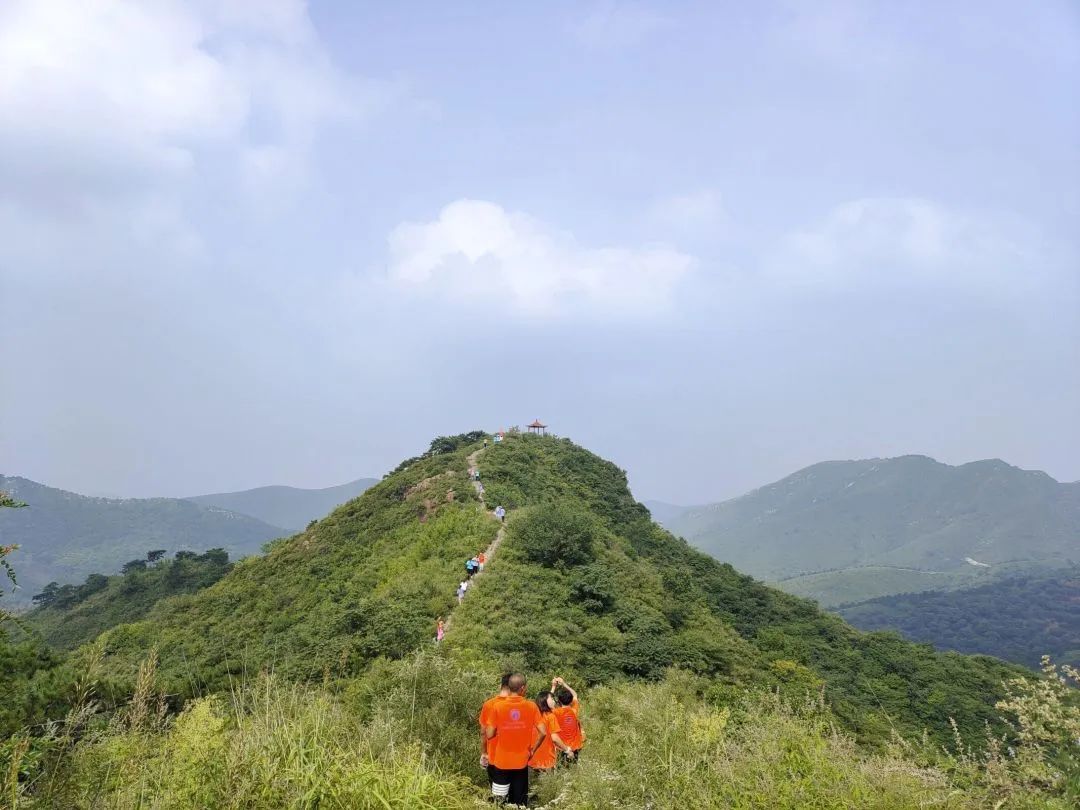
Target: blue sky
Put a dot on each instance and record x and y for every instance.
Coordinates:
(274, 242)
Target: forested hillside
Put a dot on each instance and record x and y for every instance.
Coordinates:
(65, 537)
(918, 523)
(289, 507)
(307, 677)
(69, 615)
(586, 582)
(366, 581)
(1018, 619)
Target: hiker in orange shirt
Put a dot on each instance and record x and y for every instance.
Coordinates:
(487, 715)
(481, 558)
(567, 713)
(544, 758)
(517, 731)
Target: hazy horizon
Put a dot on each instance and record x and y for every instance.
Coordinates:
(289, 243)
(643, 497)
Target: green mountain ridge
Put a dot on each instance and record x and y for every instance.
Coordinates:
(292, 508)
(906, 512)
(307, 677)
(585, 582)
(64, 536)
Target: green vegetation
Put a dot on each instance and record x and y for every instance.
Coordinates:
(1019, 619)
(640, 601)
(65, 537)
(70, 615)
(673, 744)
(832, 588)
(288, 507)
(403, 736)
(366, 581)
(907, 512)
(307, 678)
(21, 662)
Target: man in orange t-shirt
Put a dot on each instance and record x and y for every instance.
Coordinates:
(487, 714)
(517, 731)
(568, 715)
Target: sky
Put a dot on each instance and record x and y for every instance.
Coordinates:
(274, 242)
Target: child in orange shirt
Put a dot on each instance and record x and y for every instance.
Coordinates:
(567, 712)
(544, 759)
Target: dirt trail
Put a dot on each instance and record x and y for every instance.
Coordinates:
(479, 487)
(489, 552)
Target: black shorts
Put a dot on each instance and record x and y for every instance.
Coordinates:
(515, 784)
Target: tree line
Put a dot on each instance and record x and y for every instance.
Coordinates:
(63, 596)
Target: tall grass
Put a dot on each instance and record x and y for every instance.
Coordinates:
(267, 745)
(664, 745)
(404, 736)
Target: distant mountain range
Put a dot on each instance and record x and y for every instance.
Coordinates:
(843, 531)
(64, 536)
(288, 507)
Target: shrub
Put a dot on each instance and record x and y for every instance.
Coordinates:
(555, 535)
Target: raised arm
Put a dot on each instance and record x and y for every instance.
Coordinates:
(564, 685)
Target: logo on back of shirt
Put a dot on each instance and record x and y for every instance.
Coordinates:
(515, 714)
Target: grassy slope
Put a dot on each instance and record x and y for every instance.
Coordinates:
(368, 580)
(666, 745)
(670, 604)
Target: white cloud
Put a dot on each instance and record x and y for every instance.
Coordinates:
(477, 249)
(613, 24)
(107, 98)
(699, 213)
(911, 241)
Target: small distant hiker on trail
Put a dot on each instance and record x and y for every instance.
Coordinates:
(440, 630)
(500, 513)
(461, 590)
(517, 730)
(471, 565)
(481, 558)
(476, 475)
(544, 759)
(567, 713)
